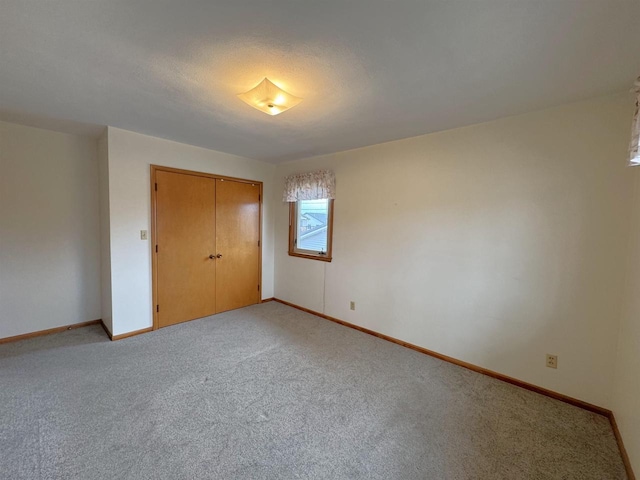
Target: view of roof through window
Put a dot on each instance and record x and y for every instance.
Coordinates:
(312, 225)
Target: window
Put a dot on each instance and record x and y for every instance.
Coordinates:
(310, 196)
(634, 149)
(311, 228)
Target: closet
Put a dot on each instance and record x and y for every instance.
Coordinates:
(206, 244)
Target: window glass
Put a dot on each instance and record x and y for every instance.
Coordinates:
(312, 225)
(311, 229)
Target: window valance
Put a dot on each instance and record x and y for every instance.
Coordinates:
(634, 148)
(310, 186)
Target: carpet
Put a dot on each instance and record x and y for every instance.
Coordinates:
(270, 392)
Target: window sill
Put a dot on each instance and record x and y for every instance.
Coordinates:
(322, 258)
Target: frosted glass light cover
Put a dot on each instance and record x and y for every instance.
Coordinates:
(269, 98)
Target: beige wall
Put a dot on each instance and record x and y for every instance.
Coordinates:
(105, 231)
(130, 156)
(626, 394)
(495, 243)
(49, 230)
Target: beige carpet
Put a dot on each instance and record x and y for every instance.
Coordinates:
(269, 392)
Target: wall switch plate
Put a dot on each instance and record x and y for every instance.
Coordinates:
(552, 361)
(352, 305)
(143, 234)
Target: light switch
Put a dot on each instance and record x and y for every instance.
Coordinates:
(143, 234)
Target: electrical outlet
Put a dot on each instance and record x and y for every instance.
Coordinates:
(143, 234)
(352, 305)
(552, 361)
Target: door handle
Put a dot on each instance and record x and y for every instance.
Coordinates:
(212, 257)
(219, 255)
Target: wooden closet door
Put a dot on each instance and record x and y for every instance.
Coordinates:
(186, 232)
(237, 243)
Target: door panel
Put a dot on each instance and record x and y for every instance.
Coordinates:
(238, 232)
(186, 232)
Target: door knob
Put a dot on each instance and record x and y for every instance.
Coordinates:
(212, 256)
(219, 255)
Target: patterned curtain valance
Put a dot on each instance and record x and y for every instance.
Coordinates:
(310, 186)
(634, 148)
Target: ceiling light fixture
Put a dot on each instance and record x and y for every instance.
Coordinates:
(269, 98)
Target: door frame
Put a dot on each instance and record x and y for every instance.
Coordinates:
(154, 258)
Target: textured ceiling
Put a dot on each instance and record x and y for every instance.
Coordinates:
(369, 71)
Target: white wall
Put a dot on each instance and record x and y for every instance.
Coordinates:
(105, 231)
(495, 243)
(130, 157)
(49, 230)
(626, 394)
